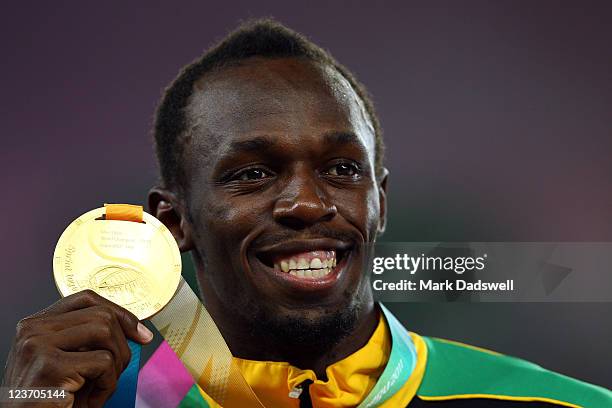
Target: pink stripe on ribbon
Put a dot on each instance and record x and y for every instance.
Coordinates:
(163, 381)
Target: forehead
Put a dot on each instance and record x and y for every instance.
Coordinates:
(286, 97)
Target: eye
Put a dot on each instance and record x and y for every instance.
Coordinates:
(252, 174)
(344, 169)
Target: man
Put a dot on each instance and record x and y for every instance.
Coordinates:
(271, 159)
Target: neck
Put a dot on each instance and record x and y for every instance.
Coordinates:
(247, 342)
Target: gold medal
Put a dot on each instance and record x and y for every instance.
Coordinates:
(133, 262)
(130, 258)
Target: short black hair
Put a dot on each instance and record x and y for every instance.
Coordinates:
(256, 38)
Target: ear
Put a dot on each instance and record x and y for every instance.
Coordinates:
(382, 198)
(165, 206)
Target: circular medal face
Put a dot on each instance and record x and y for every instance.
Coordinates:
(135, 265)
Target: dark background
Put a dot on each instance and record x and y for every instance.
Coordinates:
(496, 115)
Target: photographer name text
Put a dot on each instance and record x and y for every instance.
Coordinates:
(447, 285)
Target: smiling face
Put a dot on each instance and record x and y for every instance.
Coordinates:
(281, 196)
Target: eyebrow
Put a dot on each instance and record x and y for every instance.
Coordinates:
(256, 144)
(262, 143)
(339, 138)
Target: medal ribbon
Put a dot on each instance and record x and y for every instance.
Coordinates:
(193, 335)
(123, 212)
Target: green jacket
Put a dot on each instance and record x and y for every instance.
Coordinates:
(457, 376)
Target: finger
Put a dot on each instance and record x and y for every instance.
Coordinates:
(61, 321)
(131, 326)
(79, 300)
(97, 369)
(81, 399)
(92, 336)
(100, 319)
(88, 298)
(93, 317)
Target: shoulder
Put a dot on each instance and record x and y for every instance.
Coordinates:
(463, 373)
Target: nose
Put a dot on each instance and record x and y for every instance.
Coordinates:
(302, 203)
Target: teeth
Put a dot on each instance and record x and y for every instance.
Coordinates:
(311, 273)
(300, 267)
(315, 263)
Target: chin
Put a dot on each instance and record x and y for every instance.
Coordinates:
(310, 325)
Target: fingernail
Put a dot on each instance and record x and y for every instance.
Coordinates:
(144, 333)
